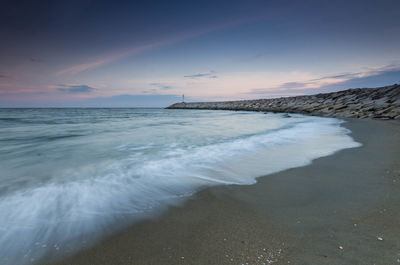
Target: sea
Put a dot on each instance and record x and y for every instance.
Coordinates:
(69, 177)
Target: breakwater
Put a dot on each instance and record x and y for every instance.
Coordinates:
(379, 103)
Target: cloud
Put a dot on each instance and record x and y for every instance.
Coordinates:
(254, 57)
(375, 71)
(123, 53)
(4, 76)
(105, 59)
(381, 78)
(346, 78)
(338, 76)
(210, 74)
(292, 85)
(75, 88)
(35, 60)
(371, 77)
(316, 81)
(161, 86)
(149, 91)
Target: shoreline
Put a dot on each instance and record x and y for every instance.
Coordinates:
(301, 215)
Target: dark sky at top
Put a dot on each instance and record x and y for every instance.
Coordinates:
(147, 53)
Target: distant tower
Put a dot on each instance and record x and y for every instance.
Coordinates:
(183, 98)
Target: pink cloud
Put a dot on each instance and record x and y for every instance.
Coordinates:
(114, 56)
(111, 57)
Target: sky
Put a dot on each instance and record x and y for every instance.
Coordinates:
(148, 53)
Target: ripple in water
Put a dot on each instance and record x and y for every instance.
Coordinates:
(71, 176)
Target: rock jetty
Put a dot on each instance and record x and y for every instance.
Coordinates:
(378, 103)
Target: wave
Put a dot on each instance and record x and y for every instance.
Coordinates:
(61, 216)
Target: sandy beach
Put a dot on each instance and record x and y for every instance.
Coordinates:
(341, 209)
(200, 132)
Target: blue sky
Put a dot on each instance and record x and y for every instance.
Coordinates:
(149, 53)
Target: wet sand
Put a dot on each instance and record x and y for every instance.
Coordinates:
(341, 209)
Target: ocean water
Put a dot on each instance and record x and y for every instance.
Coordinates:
(71, 176)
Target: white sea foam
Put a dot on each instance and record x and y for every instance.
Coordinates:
(87, 200)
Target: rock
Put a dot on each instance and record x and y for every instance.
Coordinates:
(377, 103)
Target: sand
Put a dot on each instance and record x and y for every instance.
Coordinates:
(341, 209)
